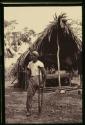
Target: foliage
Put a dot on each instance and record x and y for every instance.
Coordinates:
(14, 39)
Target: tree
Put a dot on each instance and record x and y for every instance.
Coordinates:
(8, 23)
(27, 34)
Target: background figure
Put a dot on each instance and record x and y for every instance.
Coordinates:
(80, 67)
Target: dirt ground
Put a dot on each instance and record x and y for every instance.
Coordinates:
(57, 108)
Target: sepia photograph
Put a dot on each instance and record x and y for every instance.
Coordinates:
(43, 64)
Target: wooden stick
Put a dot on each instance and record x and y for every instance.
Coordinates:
(39, 98)
(40, 95)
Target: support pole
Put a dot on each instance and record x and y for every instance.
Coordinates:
(58, 60)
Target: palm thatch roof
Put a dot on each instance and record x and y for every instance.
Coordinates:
(57, 31)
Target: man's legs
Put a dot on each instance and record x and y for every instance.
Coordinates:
(30, 93)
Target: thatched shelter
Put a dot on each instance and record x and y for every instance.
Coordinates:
(56, 33)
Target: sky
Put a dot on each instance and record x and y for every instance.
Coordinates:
(37, 18)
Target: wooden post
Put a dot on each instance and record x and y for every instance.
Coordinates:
(58, 60)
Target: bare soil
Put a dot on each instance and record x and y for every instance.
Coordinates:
(57, 108)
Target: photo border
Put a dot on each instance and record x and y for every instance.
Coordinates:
(23, 4)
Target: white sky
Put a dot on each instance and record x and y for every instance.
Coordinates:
(37, 18)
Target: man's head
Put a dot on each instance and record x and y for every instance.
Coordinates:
(35, 56)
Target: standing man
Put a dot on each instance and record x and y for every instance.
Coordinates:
(35, 68)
